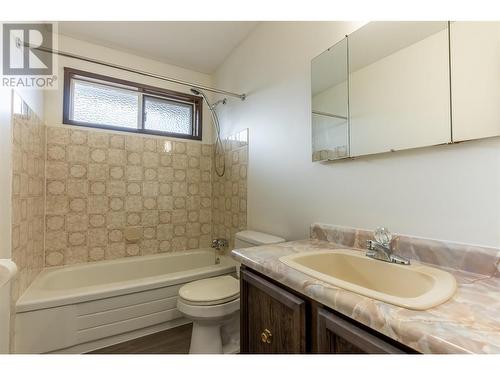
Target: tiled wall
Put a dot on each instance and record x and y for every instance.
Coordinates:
(230, 191)
(28, 168)
(99, 183)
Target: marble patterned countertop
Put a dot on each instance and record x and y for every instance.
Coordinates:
(467, 323)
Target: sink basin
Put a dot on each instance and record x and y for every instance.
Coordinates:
(414, 286)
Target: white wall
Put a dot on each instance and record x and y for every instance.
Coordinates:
(54, 98)
(446, 192)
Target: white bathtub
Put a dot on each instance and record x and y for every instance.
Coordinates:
(80, 308)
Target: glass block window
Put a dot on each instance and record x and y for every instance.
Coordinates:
(104, 102)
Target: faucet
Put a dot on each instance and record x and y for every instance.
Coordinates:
(381, 248)
(220, 244)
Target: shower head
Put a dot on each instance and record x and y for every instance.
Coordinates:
(223, 101)
(201, 93)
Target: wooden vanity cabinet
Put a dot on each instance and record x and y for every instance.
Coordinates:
(277, 320)
(272, 319)
(336, 335)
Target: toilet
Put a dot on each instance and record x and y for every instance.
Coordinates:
(213, 304)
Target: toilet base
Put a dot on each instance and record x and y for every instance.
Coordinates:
(206, 338)
(216, 337)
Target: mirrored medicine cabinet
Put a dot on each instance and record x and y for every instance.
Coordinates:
(393, 86)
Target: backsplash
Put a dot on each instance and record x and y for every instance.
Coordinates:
(99, 183)
(28, 193)
(230, 191)
(469, 258)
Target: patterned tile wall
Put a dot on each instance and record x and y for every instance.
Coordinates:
(230, 190)
(100, 183)
(28, 169)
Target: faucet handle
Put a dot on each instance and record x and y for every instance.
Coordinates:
(220, 243)
(369, 245)
(383, 236)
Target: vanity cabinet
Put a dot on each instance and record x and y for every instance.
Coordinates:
(272, 319)
(277, 320)
(338, 336)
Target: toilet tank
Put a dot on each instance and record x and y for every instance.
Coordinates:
(249, 238)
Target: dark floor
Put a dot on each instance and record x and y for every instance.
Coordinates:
(172, 341)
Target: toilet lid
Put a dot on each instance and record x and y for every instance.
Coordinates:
(213, 291)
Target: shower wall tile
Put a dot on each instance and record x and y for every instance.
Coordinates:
(229, 211)
(99, 183)
(28, 192)
(96, 184)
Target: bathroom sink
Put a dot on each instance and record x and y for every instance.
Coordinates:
(414, 286)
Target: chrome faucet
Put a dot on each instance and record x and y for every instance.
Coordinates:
(381, 248)
(220, 244)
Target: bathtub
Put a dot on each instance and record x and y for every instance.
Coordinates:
(76, 309)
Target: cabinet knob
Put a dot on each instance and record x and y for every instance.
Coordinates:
(266, 336)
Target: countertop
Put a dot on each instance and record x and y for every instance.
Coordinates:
(467, 323)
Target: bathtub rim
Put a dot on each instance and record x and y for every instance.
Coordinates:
(37, 299)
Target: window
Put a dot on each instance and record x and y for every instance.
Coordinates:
(104, 102)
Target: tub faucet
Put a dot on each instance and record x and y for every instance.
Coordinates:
(220, 244)
(381, 248)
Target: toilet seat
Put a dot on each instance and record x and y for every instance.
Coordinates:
(208, 312)
(209, 292)
(213, 298)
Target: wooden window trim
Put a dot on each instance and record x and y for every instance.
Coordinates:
(197, 102)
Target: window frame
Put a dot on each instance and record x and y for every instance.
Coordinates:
(143, 91)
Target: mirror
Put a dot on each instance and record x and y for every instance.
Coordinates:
(393, 86)
(475, 79)
(399, 93)
(329, 102)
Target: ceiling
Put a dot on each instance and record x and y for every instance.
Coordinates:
(200, 46)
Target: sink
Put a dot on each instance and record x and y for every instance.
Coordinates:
(415, 286)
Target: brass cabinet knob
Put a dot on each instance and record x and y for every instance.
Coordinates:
(266, 336)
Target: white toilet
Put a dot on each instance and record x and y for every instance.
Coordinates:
(213, 304)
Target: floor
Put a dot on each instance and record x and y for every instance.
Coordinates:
(172, 341)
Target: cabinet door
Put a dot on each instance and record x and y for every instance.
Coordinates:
(272, 319)
(337, 335)
(475, 79)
